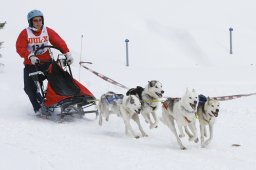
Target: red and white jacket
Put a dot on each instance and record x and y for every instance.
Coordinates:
(29, 40)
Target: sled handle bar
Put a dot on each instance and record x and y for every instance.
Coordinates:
(36, 73)
(45, 46)
(50, 46)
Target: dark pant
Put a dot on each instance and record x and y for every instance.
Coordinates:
(30, 87)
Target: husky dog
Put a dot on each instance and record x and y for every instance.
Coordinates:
(207, 112)
(183, 111)
(109, 104)
(130, 109)
(148, 97)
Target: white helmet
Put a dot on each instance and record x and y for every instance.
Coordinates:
(32, 14)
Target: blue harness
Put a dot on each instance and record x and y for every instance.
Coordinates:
(112, 98)
(202, 100)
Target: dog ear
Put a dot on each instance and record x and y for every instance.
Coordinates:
(150, 83)
(208, 100)
(129, 91)
(139, 88)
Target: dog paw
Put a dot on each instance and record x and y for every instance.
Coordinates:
(196, 140)
(207, 142)
(137, 137)
(145, 135)
(181, 135)
(153, 126)
(183, 148)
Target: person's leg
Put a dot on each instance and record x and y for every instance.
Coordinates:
(30, 87)
(44, 68)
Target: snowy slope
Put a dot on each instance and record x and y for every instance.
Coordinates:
(180, 43)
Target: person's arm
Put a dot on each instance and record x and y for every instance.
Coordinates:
(21, 44)
(57, 41)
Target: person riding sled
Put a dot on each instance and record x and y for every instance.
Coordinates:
(29, 40)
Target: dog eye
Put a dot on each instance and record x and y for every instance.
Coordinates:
(190, 97)
(212, 106)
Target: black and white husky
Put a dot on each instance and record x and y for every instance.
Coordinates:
(149, 97)
(130, 109)
(183, 112)
(207, 113)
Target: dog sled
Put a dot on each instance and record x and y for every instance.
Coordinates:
(63, 95)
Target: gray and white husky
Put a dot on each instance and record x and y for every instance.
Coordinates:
(109, 104)
(207, 113)
(149, 97)
(183, 111)
(127, 107)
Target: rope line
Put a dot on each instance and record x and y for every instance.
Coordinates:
(220, 98)
(231, 97)
(104, 77)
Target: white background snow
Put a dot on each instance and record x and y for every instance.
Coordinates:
(180, 43)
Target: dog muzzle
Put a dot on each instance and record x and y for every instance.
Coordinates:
(215, 113)
(160, 95)
(138, 111)
(193, 105)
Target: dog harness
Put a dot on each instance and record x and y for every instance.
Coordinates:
(148, 102)
(202, 101)
(208, 121)
(170, 103)
(183, 108)
(112, 98)
(189, 121)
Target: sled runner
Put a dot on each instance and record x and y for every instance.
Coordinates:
(62, 90)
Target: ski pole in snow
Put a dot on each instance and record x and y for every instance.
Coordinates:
(127, 57)
(81, 53)
(230, 35)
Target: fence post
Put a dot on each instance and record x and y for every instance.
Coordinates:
(230, 35)
(127, 56)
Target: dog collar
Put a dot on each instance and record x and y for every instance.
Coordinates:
(182, 107)
(189, 121)
(208, 121)
(148, 102)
